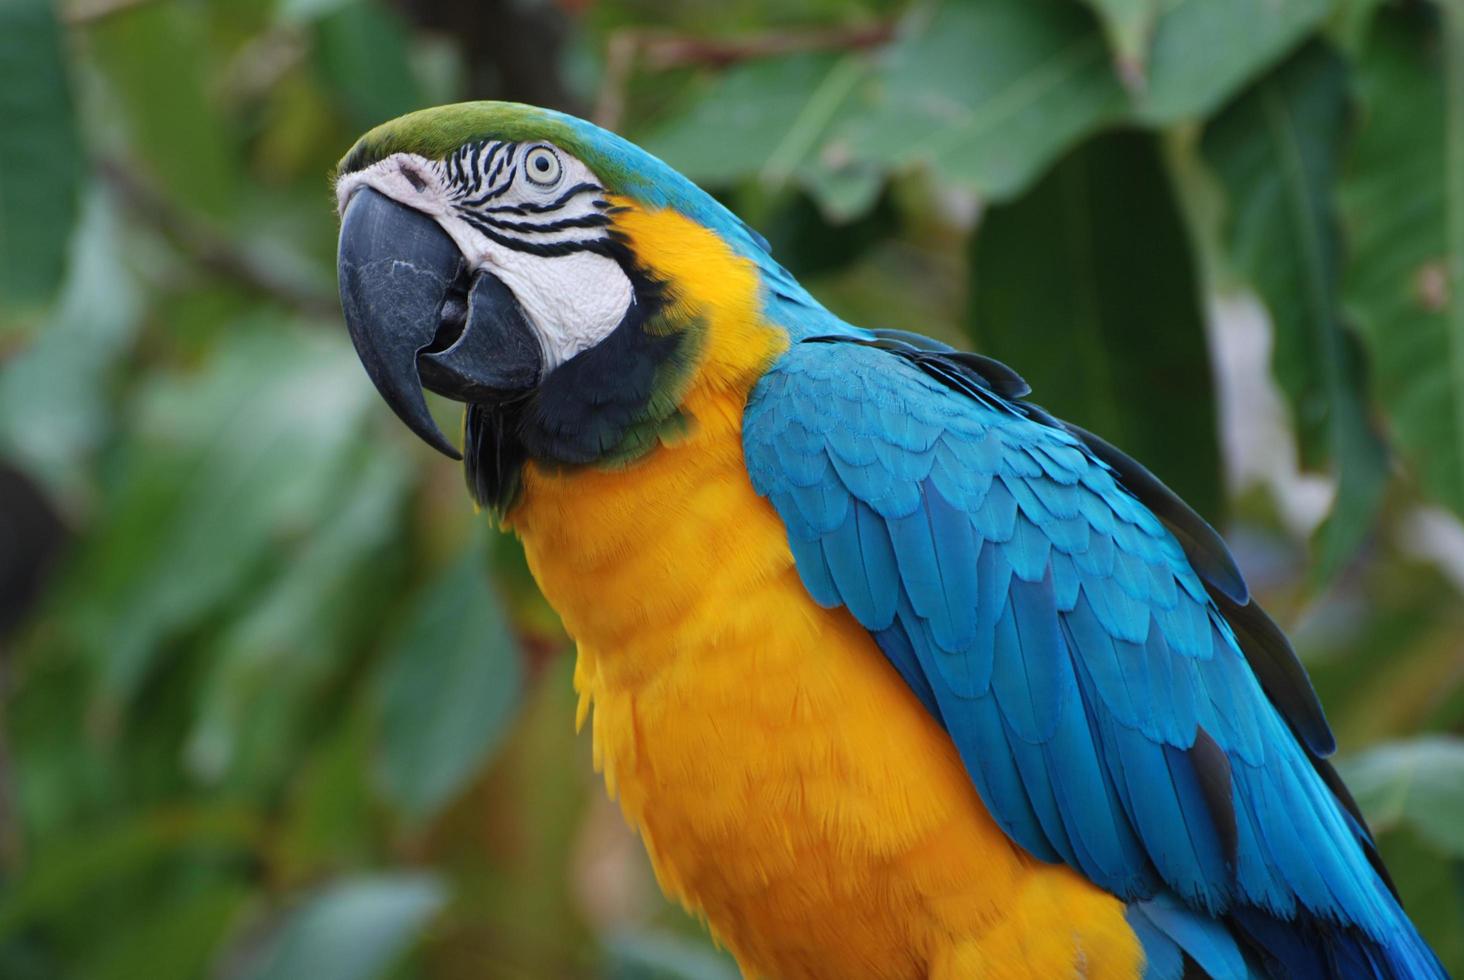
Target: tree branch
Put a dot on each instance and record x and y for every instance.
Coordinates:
(211, 250)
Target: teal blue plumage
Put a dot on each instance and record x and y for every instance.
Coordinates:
(1119, 702)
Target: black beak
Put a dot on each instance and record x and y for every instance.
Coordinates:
(418, 316)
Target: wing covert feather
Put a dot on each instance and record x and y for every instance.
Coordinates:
(1080, 648)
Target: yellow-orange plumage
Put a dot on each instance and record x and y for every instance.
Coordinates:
(787, 783)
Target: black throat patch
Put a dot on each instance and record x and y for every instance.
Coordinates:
(606, 406)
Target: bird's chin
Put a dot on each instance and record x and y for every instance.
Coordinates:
(420, 317)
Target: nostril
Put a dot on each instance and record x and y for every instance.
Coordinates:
(414, 178)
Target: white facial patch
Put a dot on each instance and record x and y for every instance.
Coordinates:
(528, 213)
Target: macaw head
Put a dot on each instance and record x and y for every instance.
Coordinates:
(569, 287)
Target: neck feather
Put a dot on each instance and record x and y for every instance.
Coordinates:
(695, 328)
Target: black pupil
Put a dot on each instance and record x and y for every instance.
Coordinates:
(541, 164)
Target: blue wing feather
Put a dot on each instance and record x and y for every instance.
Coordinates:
(1164, 960)
(1074, 642)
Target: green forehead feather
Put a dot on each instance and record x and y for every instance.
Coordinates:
(436, 132)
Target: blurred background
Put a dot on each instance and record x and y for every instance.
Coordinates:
(277, 704)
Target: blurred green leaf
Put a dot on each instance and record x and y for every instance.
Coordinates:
(54, 395)
(1276, 150)
(448, 688)
(988, 92)
(664, 956)
(223, 468)
(1381, 646)
(270, 662)
(355, 929)
(768, 118)
(330, 817)
(536, 799)
(1403, 206)
(178, 944)
(362, 53)
(1351, 20)
(156, 59)
(41, 158)
(305, 11)
(1419, 783)
(1129, 25)
(71, 869)
(810, 245)
(1085, 285)
(1204, 50)
(903, 285)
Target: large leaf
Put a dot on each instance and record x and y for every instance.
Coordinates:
(356, 929)
(54, 409)
(1276, 150)
(72, 867)
(988, 92)
(664, 956)
(1203, 50)
(1403, 206)
(985, 92)
(177, 946)
(448, 688)
(329, 818)
(223, 470)
(1085, 286)
(40, 153)
(269, 664)
(773, 118)
(1419, 783)
(362, 50)
(1129, 25)
(155, 59)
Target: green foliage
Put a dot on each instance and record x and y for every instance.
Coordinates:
(354, 930)
(1203, 52)
(40, 165)
(1418, 783)
(155, 58)
(1276, 150)
(53, 394)
(1403, 189)
(988, 93)
(1086, 281)
(1129, 26)
(769, 124)
(288, 708)
(648, 957)
(453, 655)
(363, 57)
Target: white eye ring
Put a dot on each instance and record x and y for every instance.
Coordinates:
(542, 166)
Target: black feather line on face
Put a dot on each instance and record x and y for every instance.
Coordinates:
(595, 220)
(493, 193)
(606, 406)
(554, 205)
(609, 246)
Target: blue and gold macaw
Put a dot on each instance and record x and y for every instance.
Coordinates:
(896, 674)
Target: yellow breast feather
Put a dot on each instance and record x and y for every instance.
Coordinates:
(788, 785)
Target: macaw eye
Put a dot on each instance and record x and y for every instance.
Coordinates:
(542, 166)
